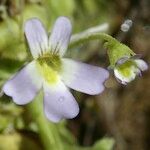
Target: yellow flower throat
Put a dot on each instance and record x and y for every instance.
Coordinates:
(49, 66)
(126, 69)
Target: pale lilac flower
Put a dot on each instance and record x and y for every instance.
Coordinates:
(53, 73)
(127, 68)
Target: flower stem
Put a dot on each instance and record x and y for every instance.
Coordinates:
(86, 36)
(48, 131)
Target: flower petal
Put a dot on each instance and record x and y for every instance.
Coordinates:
(24, 86)
(59, 102)
(142, 65)
(36, 36)
(123, 79)
(60, 36)
(83, 77)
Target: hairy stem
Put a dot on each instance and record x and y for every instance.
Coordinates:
(91, 34)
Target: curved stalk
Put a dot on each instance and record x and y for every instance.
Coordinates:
(88, 35)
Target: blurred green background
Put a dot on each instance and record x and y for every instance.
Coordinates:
(117, 119)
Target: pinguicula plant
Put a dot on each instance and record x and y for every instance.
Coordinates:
(125, 64)
(53, 73)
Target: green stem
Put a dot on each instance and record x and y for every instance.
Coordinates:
(115, 49)
(80, 38)
(48, 131)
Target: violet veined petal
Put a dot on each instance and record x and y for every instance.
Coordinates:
(83, 77)
(59, 103)
(24, 86)
(36, 36)
(60, 36)
(142, 65)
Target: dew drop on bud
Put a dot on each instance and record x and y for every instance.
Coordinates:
(126, 25)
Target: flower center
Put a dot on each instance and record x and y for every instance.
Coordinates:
(127, 68)
(49, 65)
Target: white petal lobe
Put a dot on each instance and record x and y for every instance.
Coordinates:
(36, 36)
(24, 86)
(59, 103)
(142, 65)
(83, 77)
(60, 36)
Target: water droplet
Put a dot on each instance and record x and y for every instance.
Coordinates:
(61, 99)
(126, 25)
(128, 22)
